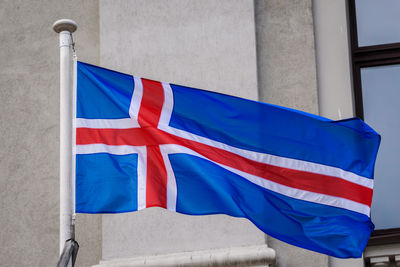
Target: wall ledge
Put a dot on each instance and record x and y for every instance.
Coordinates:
(260, 255)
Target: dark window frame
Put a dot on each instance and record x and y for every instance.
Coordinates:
(370, 56)
(367, 56)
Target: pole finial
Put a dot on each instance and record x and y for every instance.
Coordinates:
(65, 25)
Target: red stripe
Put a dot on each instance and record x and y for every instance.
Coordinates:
(156, 188)
(149, 115)
(152, 102)
(132, 137)
(312, 182)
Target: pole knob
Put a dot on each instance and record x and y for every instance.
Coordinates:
(65, 25)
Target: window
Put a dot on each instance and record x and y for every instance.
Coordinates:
(375, 53)
(377, 22)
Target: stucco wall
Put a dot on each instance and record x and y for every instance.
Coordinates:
(285, 53)
(287, 77)
(29, 130)
(205, 44)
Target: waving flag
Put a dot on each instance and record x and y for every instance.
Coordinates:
(301, 178)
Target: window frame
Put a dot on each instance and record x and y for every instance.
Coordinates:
(367, 56)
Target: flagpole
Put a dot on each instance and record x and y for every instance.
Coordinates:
(65, 28)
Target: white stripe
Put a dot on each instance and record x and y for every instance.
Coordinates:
(124, 150)
(115, 150)
(278, 188)
(256, 156)
(136, 99)
(167, 108)
(171, 182)
(142, 178)
(303, 194)
(107, 123)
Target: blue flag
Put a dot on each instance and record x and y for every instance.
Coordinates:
(301, 178)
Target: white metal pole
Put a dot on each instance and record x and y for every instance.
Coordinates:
(65, 27)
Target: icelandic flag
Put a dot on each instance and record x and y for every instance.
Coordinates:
(301, 178)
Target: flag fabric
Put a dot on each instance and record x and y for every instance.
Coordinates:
(298, 177)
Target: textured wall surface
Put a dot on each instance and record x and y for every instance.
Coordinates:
(335, 99)
(335, 92)
(29, 130)
(285, 53)
(206, 44)
(287, 77)
(209, 44)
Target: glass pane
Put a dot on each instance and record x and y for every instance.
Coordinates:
(381, 95)
(378, 21)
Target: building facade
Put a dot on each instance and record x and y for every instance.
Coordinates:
(294, 53)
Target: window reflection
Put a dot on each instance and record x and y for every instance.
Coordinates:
(378, 21)
(381, 94)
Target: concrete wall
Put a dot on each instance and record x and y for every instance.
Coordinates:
(206, 44)
(29, 130)
(335, 92)
(287, 77)
(209, 45)
(333, 59)
(285, 53)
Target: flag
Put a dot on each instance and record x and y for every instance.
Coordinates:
(298, 177)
